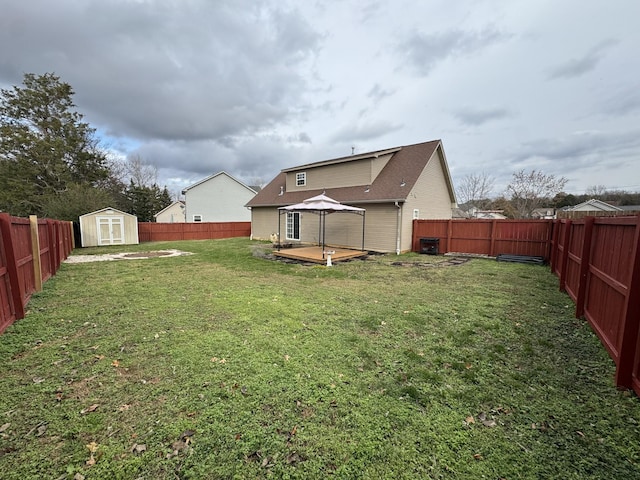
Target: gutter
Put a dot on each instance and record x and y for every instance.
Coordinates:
(398, 225)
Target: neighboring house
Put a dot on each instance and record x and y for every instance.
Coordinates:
(394, 186)
(593, 205)
(543, 213)
(489, 214)
(457, 213)
(108, 226)
(174, 213)
(218, 198)
(631, 209)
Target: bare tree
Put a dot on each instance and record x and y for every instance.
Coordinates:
(141, 172)
(530, 190)
(475, 188)
(596, 191)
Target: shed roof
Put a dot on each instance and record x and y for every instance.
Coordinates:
(109, 210)
(393, 183)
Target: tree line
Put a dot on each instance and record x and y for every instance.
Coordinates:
(530, 190)
(51, 162)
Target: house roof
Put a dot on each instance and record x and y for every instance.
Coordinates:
(210, 177)
(179, 202)
(594, 205)
(393, 183)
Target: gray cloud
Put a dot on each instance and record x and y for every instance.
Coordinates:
(478, 116)
(581, 149)
(254, 86)
(192, 71)
(579, 66)
(422, 51)
(364, 131)
(379, 93)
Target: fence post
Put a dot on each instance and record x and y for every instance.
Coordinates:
(17, 292)
(565, 255)
(35, 252)
(449, 234)
(553, 244)
(630, 318)
(492, 235)
(585, 259)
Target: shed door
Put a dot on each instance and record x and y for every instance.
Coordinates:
(110, 230)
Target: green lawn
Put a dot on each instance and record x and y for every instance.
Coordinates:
(225, 364)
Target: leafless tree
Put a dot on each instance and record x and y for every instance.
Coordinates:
(475, 188)
(596, 191)
(530, 190)
(141, 172)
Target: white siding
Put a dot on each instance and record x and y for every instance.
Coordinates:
(219, 199)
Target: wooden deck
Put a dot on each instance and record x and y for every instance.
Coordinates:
(314, 254)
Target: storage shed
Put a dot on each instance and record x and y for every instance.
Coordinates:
(108, 226)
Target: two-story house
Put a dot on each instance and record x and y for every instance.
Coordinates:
(394, 186)
(218, 198)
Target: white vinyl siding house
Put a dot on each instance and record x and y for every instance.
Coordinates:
(218, 198)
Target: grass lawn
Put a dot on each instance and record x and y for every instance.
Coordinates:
(225, 364)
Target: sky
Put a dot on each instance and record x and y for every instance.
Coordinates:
(251, 87)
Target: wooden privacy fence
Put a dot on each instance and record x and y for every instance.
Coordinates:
(598, 263)
(487, 237)
(31, 251)
(157, 232)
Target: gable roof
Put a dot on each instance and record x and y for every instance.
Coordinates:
(108, 210)
(178, 202)
(594, 205)
(394, 182)
(211, 177)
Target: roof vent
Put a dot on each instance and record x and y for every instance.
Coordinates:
(403, 183)
(281, 190)
(367, 188)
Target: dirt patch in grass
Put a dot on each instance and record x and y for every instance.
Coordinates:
(125, 256)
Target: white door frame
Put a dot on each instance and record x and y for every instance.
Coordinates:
(110, 221)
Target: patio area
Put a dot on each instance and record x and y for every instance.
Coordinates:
(315, 254)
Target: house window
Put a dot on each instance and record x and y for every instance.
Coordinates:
(301, 179)
(197, 218)
(416, 214)
(293, 225)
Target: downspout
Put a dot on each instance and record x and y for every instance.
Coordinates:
(398, 224)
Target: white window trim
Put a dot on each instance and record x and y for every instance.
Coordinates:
(290, 226)
(301, 179)
(199, 220)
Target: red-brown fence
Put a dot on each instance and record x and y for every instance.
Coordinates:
(31, 251)
(160, 232)
(487, 237)
(598, 263)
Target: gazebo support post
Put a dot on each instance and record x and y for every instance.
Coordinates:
(279, 222)
(363, 214)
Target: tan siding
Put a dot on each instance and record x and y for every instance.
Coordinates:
(264, 222)
(89, 228)
(429, 195)
(342, 229)
(377, 164)
(345, 229)
(173, 214)
(357, 172)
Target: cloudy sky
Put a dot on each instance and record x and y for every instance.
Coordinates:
(255, 86)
